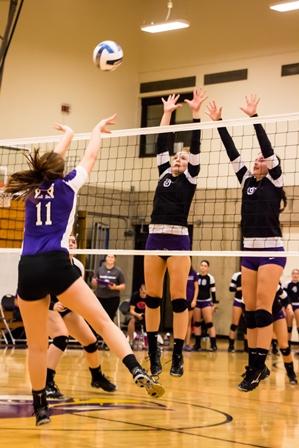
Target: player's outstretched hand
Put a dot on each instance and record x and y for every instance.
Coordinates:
(251, 103)
(199, 96)
(171, 103)
(214, 111)
(62, 127)
(106, 122)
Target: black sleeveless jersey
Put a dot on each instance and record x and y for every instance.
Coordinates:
(174, 194)
(260, 198)
(260, 208)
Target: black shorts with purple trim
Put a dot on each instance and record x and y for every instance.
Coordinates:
(254, 263)
(166, 241)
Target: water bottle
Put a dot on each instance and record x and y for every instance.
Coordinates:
(145, 341)
(139, 342)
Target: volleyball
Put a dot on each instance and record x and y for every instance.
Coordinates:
(107, 55)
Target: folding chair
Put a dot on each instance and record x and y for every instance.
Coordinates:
(10, 319)
(4, 326)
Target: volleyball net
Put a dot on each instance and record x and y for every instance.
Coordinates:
(116, 203)
(114, 207)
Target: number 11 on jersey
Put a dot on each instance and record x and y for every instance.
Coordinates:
(39, 221)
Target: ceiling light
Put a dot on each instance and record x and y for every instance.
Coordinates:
(166, 25)
(284, 7)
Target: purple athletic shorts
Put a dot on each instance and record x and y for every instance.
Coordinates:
(254, 263)
(203, 303)
(165, 241)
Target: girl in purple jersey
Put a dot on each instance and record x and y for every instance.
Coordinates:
(262, 196)
(45, 267)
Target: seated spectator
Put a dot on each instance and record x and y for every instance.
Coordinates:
(137, 310)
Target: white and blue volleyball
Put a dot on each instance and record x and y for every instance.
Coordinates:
(108, 55)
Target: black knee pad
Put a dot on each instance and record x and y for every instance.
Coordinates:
(60, 342)
(233, 327)
(263, 318)
(250, 319)
(179, 305)
(290, 329)
(209, 325)
(153, 302)
(197, 324)
(286, 351)
(91, 348)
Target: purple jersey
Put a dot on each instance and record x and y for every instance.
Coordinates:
(192, 277)
(50, 212)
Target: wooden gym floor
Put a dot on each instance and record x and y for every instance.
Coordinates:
(202, 409)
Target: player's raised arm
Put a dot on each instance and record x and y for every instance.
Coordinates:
(66, 139)
(93, 146)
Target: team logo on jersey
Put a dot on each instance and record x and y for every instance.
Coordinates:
(14, 406)
(203, 282)
(167, 183)
(294, 289)
(251, 190)
(40, 193)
